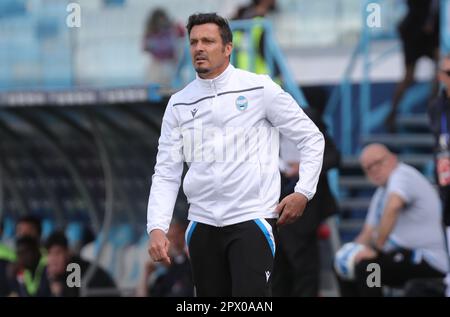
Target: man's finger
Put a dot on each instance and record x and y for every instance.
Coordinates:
(164, 251)
(166, 260)
(280, 206)
(284, 217)
(157, 256)
(157, 252)
(290, 219)
(153, 253)
(166, 246)
(282, 220)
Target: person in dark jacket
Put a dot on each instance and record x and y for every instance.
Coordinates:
(7, 258)
(58, 259)
(439, 115)
(297, 269)
(419, 34)
(28, 276)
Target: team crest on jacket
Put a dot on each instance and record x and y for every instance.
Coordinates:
(241, 103)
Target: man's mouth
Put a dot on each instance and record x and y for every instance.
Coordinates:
(200, 59)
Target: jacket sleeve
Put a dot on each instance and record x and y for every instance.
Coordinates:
(167, 177)
(284, 113)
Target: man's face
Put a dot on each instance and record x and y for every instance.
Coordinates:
(376, 168)
(26, 229)
(57, 260)
(27, 257)
(270, 4)
(210, 56)
(444, 77)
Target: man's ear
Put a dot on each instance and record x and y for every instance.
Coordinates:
(228, 49)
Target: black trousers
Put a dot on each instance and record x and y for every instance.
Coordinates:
(235, 260)
(297, 262)
(396, 268)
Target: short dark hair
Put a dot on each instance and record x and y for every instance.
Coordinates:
(35, 221)
(57, 238)
(203, 18)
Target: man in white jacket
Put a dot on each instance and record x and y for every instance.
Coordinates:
(225, 125)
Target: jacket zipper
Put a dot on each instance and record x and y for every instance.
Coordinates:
(217, 147)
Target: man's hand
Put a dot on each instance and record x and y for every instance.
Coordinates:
(365, 254)
(158, 246)
(290, 208)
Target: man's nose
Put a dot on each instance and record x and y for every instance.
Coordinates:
(199, 47)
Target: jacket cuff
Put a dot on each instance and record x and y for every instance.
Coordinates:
(309, 195)
(150, 228)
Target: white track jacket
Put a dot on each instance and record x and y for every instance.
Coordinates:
(226, 130)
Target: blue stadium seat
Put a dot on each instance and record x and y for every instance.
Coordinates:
(48, 226)
(74, 233)
(110, 3)
(121, 236)
(46, 28)
(11, 8)
(9, 229)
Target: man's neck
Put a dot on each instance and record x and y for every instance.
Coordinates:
(216, 74)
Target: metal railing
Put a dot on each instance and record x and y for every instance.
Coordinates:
(341, 101)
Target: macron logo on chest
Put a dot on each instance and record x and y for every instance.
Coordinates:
(194, 112)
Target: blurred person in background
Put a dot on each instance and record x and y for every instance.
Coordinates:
(59, 257)
(29, 274)
(403, 229)
(161, 41)
(174, 280)
(419, 34)
(254, 38)
(256, 8)
(439, 114)
(297, 263)
(7, 258)
(29, 225)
